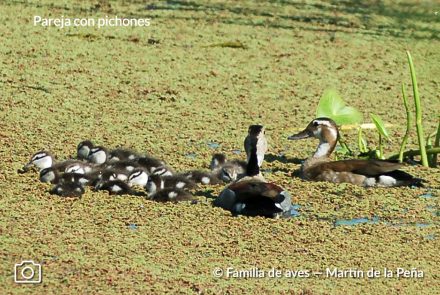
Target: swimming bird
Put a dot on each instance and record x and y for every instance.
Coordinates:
(252, 195)
(367, 173)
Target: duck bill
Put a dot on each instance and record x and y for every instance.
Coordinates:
(303, 134)
(25, 168)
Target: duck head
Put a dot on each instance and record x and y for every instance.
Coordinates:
(324, 129)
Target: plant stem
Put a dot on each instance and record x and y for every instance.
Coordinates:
(361, 142)
(344, 145)
(419, 125)
(408, 124)
(434, 150)
(436, 144)
(380, 147)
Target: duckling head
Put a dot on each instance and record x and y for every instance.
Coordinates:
(83, 149)
(138, 177)
(41, 160)
(49, 175)
(324, 129)
(98, 155)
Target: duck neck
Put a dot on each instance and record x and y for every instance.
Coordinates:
(327, 143)
(252, 167)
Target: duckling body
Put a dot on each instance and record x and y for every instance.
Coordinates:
(156, 183)
(121, 154)
(171, 195)
(116, 187)
(252, 195)
(68, 190)
(150, 164)
(202, 177)
(367, 173)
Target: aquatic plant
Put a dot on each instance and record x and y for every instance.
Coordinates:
(383, 133)
(419, 125)
(332, 106)
(408, 124)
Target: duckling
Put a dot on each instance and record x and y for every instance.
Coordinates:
(78, 178)
(78, 167)
(109, 174)
(69, 190)
(41, 160)
(252, 195)
(230, 172)
(49, 174)
(98, 155)
(220, 160)
(125, 165)
(367, 173)
(83, 149)
(227, 170)
(171, 195)
(116, 187)
(121, 154)
(150, 164)
(203, 177)
(44, 159)
(217, 161)
(162, 171)
(138, 177)
(256, 134)
(156, 183)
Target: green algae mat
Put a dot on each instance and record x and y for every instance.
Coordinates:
(187, 84)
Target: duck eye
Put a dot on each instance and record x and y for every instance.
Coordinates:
(315, 124)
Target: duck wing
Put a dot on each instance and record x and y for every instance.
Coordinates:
(364, 167)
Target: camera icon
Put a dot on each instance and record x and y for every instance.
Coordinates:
(27, 272)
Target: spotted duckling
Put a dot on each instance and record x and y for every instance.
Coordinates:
(51, 175)
(367, 173)
(203, 177)
(171, 195)
(121, 154)
(116, 187)
(68, 190)
(156, 183)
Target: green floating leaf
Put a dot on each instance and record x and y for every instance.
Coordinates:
(332, 106)
(380, 125)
